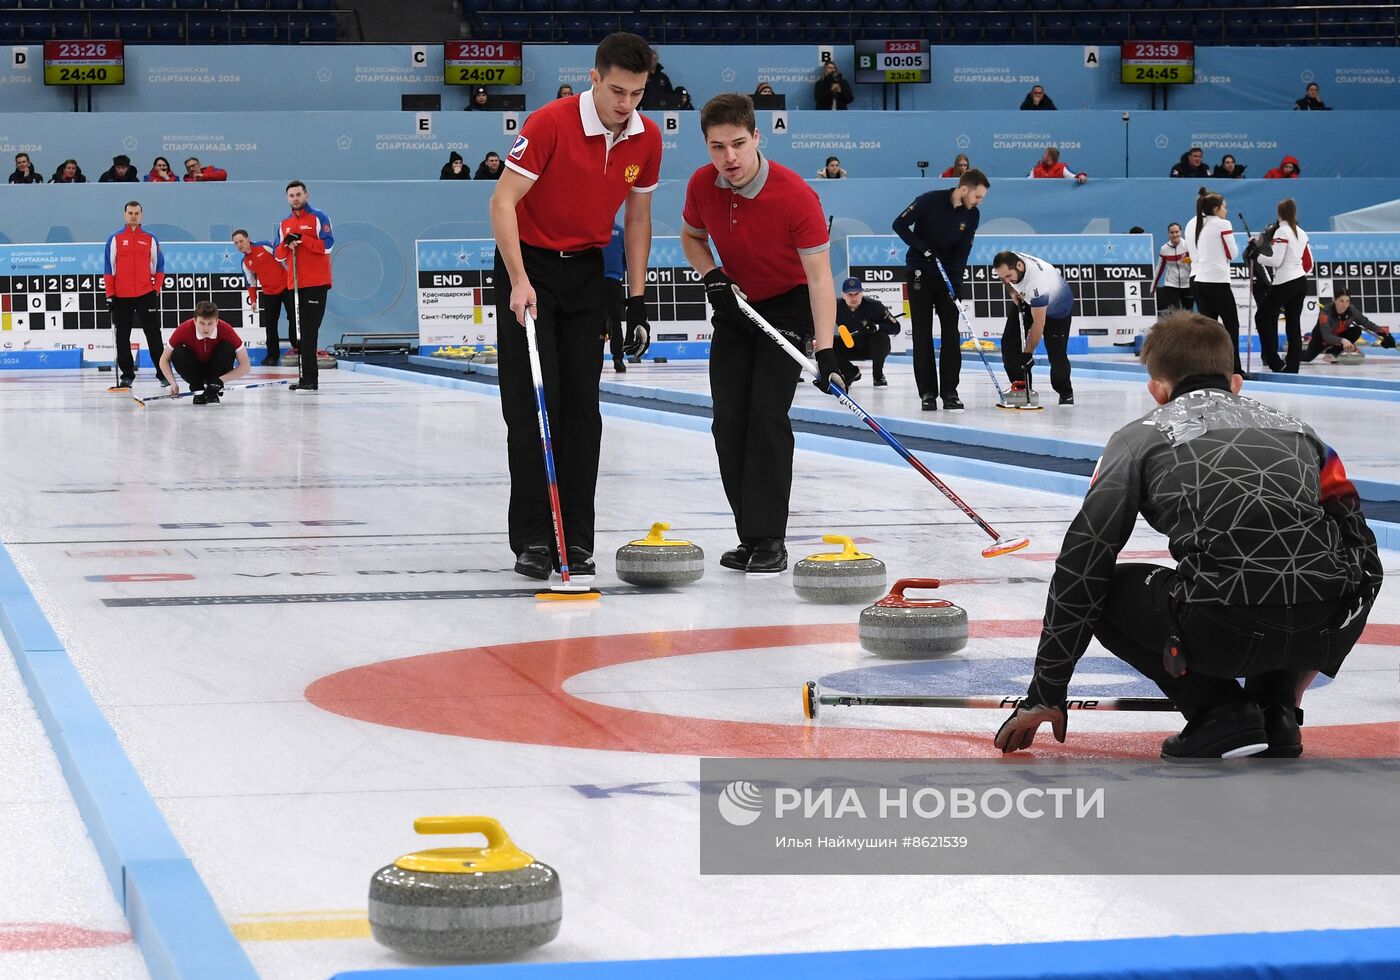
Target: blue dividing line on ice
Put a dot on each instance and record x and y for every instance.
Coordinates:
(1333, 953)
(172, 916)
(1030, 478)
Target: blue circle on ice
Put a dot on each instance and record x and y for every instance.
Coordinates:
(965, 677)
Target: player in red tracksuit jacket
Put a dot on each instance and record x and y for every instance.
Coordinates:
(304, 242)
(266, 275)
(133, 274)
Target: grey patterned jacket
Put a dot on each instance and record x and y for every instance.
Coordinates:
(1257, 510)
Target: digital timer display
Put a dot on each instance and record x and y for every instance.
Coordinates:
(482, 63)
(1158, 62)
(84, 63)
(893, 62)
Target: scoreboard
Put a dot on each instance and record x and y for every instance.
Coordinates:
(457, 296)
(482, 63)
(893, 62)
(1367, 265)
(1108, 274)
(84, 63)
(1158, 62)
(52, 297)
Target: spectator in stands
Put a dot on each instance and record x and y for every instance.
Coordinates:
(455, 168)
(1310, 100)
(69, 172)
(24, 171)
(564, 91)
(832, 91)
(764, 89)
(194, 171)
(1288, 168)
(1051, 167)
(683, 102)
(160, 172)
(1228, 168)
(833, 169)
(1191, 164)
(960, 166)
(1339, 327)
(1037, 99)
(480, 97)
(120, 172)
(489, 168)
(658, 82)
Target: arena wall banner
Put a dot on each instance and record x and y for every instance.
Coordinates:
(52, 297)
(206, 78)
(378, 222)
(1108, 274)
(457, 296)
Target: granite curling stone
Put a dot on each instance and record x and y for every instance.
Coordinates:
(1351, 357)
(913, 629)
(847, 575)
(465, 902)
(655, 561)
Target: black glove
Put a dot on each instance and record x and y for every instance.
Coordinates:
(1388, 342)
(719, 290)
(291, 237)
(214, 386)
(1018, 731)
(638, 329)
(1028, 362)
(1251, 252)
(870, 326)
(830, 368)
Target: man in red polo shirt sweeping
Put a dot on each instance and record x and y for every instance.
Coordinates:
(772, 239)
(575, 162)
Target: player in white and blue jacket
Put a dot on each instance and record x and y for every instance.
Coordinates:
(1042, 301)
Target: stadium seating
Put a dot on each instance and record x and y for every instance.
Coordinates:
(201, 21)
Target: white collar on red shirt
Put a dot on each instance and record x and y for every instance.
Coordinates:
(593, 124)
(752, 188)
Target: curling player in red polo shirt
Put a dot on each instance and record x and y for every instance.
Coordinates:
(268, 292)
(206, 352)
(575, 162)
(772, 239)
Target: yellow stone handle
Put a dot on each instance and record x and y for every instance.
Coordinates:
(499, 854)
(488, 827)
(654, 536)
(848, 551)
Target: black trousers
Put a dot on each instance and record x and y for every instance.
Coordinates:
(569, 296)
(136, 311)
(1324, 340)
(752, 383)
(615, 302)
(1288, 299)
(928, 295)
(198, 373)
(872, 347)
(1056, 340)
(1217, 301)
(305, 324)
(270, 306)
(1271, 647)
(1173, 298)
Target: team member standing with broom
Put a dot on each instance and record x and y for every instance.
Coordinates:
(772, 239)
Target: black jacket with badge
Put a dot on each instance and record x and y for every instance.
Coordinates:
(934, 224)
(1194, 469)
(1183, 168)
(870, 317)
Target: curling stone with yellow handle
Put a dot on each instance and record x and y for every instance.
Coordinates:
(465, 902)
(656, 561)
(847, 575)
